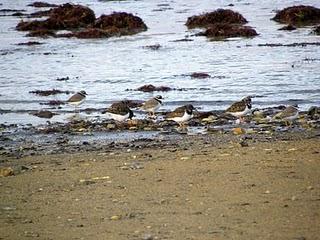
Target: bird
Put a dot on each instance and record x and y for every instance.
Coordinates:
(77, 99)
(119, 111)
(240, 108)
(289, 114)
(152, 105)
(181, 114)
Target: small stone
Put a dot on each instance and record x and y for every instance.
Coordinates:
(185, 158)
(293, 198)
(310, 188)
(111, 126)
(148, 237)
(5, 172)
(115, 217)
(238, 131)
(267, 192)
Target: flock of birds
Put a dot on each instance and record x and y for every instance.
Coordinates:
(120, 111)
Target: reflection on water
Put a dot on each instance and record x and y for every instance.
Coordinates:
(106, 68)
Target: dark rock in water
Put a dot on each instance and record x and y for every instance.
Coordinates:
(218, 16)
(288, 28)
(18, 14)
(64, 17)
(298, 15)
(222, 30)
(86, 34)
(200, 75)
(11, 10)
(53, 103)
(151, 88)
(49, 92)
(30, 43)
(63, 79)
(316, 30)
(44, 114)
(153, 47)
(42, 4)
(41, 33)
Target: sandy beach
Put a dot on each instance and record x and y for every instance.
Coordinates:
(197, 189)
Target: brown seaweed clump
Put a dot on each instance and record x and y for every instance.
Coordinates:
(121, 23)
(152, 88)
(218, 16)
(298, 15)
(115, 24)
(222, 30)
(82, 22)
(64, 17)
(288, 28)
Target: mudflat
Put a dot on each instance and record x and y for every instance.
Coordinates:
(202, 190)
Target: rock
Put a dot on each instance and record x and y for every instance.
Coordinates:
(153, 47)
(151, 88)
(41, 4)
(316, 30)
(53, 103)
(30, 43)
(6, 171)
(115, 217)
(48, 92)
(200, 75)
(298, 15)
(222, 30)
(225, 16)
(288, 28)
(238, 131)
(111, 126)
(44, 114)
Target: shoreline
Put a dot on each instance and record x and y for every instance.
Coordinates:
(200, 188)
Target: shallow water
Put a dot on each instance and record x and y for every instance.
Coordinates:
(105, 68)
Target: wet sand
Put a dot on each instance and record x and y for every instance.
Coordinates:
(196, 189)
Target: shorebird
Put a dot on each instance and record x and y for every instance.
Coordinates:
(289, 114)
(152, 105)
(77, 99)
(119, 111)
(241, 108)
(181, 114)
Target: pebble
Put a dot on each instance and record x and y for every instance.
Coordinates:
(115, 217)
(5, 172)
(238, 131)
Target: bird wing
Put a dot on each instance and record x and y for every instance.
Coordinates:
(75, 98)
(118, 108)
(287, 112)
(149, 104)
(178, 112)
(237, 107)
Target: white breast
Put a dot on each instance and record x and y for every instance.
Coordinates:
(293, 117)
(186, 117)
(117, 117)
